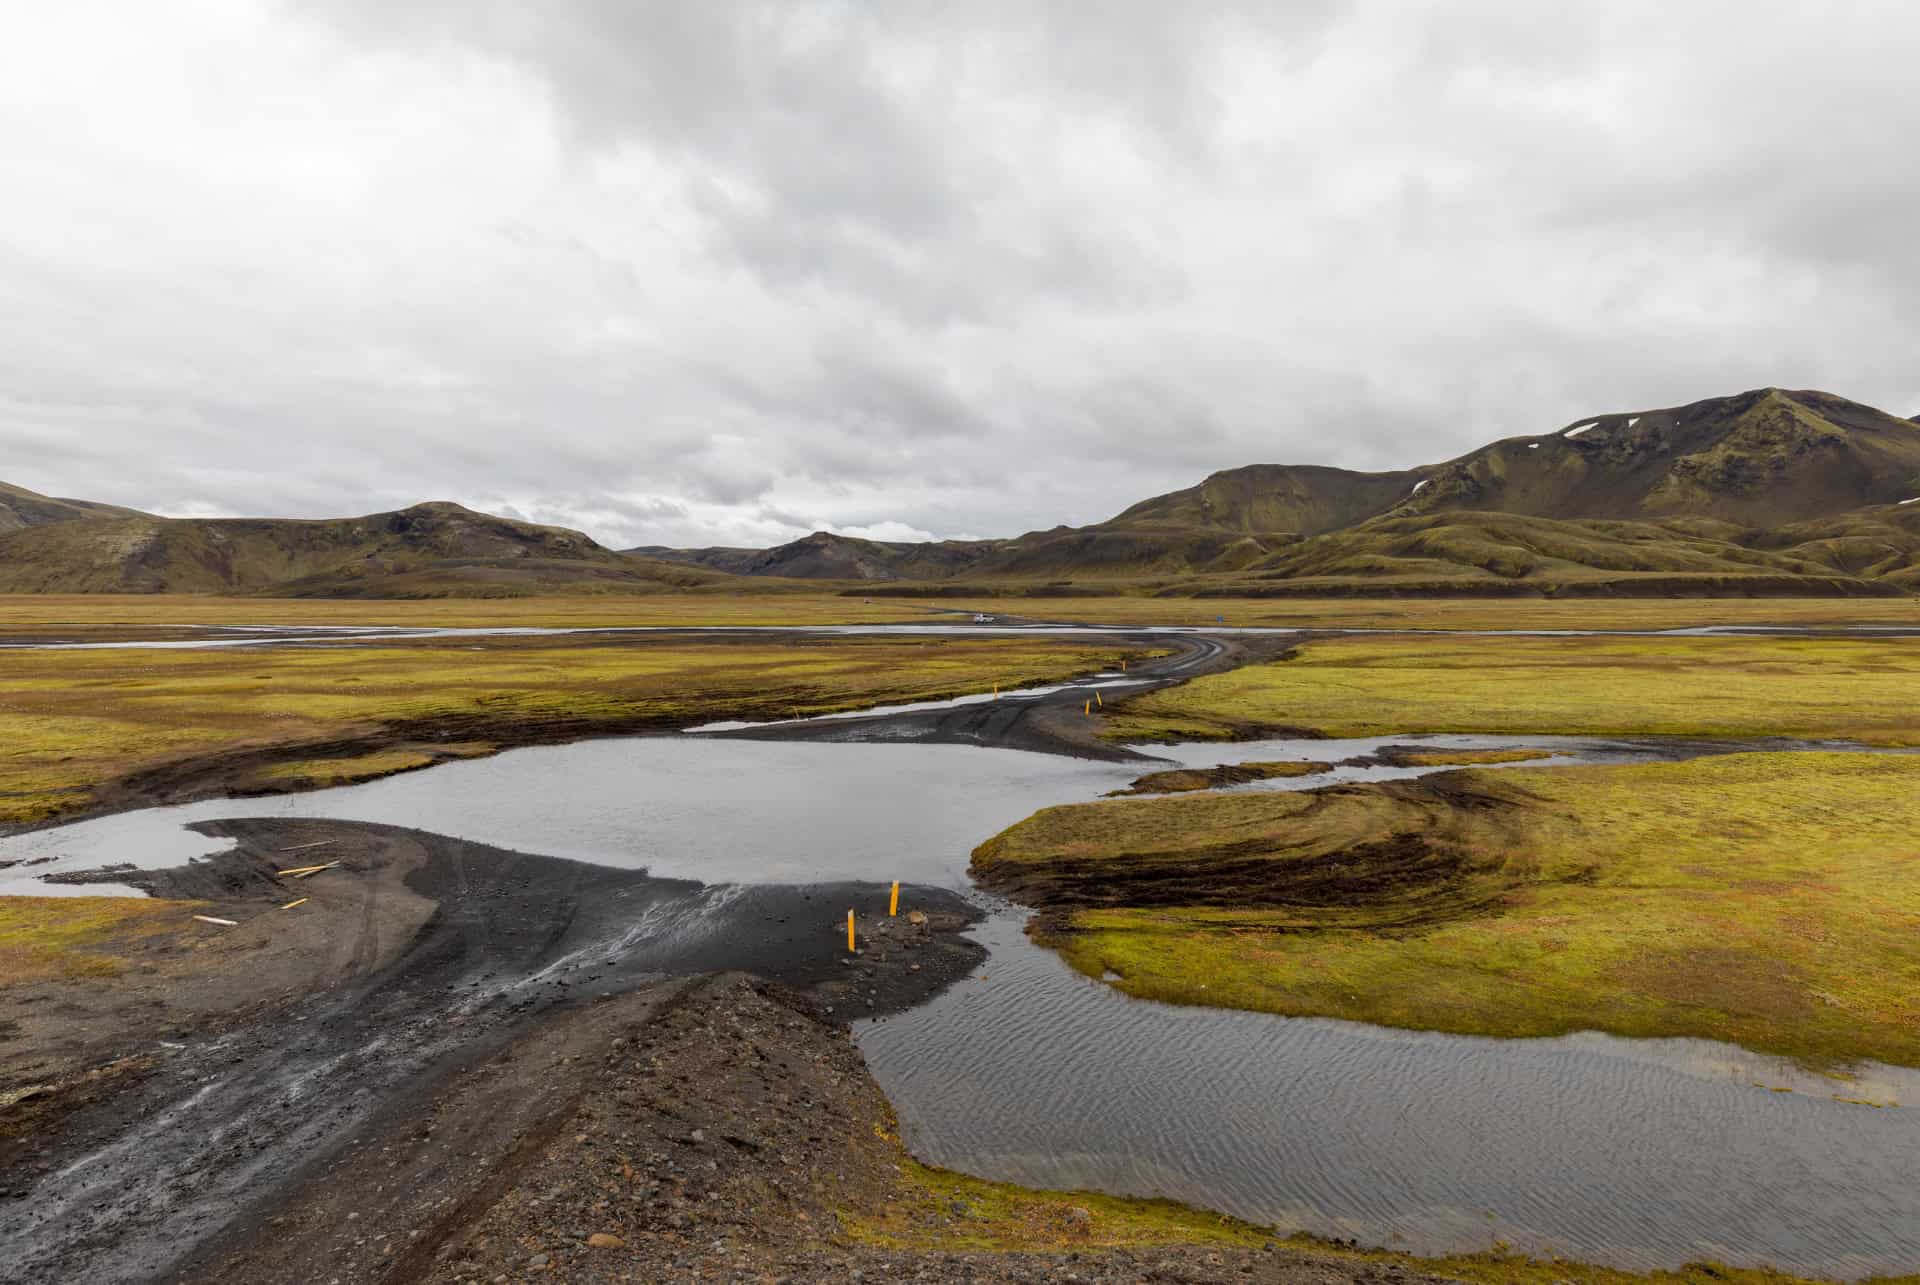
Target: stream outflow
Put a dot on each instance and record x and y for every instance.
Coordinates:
(1636, 1153)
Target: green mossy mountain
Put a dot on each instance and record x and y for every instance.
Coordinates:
(1767, 492)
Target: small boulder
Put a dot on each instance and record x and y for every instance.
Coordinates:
(605, 1240)
(917, 918)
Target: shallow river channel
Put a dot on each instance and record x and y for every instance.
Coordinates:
(1637, 1153)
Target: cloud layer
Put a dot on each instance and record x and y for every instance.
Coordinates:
(728, 272)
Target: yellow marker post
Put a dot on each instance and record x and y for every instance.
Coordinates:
(850, 949)
(1087, 708)
(893, 903)
(996, 691)
(1123, 664)
(1096, 700)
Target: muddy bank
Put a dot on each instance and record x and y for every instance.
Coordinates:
(713, 1129)
(1188, 779)
(1391, 855)
(1056, 722)
(252, 1049)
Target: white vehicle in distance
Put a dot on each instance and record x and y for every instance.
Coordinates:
(982, 618)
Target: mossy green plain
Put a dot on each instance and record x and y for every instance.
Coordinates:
(1816, 688)
(1766, 900)
(72, 722)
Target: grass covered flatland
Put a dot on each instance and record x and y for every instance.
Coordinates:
(1768, 900)
(159, 615)
(79, 616)
(76, 724)
(1816, 688)
(1459, 613)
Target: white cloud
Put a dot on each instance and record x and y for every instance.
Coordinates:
(721, 273)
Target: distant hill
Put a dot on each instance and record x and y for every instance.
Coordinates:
(1769, 491)
(1292, 498)
(21, 508)
(825, 556)
(428, 550)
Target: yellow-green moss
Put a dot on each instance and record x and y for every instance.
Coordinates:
(1470, 758)
(344, 771)
(1706, 687)
(72, 721)
(1768, 900)
(44, 938)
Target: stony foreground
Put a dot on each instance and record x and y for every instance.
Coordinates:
(706, 1129)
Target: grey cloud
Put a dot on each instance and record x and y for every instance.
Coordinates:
(723, 272)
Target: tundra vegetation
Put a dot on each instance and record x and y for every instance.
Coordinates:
(761, 603)
(1816, 688)
(84, 729)
(1766, 899)
(49, 938)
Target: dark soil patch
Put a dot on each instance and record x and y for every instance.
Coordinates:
(272, 1038)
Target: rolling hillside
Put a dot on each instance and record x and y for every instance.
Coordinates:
(1766, 492)
(20, 508)
(1769, 492)
(429, 550)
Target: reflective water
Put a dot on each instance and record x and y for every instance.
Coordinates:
(720, 811)
(1638, 1153)
(1641, 1153)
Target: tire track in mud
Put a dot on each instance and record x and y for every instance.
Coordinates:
(155, 1170)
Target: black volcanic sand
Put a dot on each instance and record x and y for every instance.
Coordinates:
(1052, 723)
(713, 1128)
(244, 1055)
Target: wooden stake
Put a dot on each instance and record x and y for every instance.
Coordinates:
(224, 923)
(291, 904)
(307, 872)
(1096, 700)
(302, 847)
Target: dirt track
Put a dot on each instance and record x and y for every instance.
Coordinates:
(1048, 724)
(232, 1096)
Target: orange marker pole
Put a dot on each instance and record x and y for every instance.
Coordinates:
(850, 949)
(893, 903)
(1087, 708)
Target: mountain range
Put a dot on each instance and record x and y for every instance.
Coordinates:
(1769, 492)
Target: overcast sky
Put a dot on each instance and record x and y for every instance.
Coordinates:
(707, 272)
